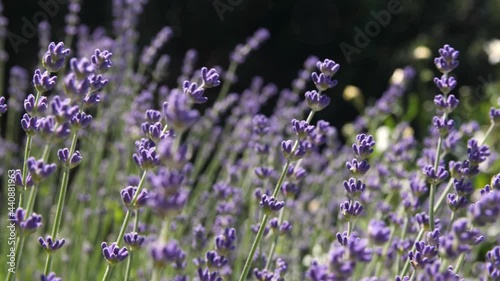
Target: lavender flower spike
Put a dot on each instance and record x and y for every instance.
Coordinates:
(54, 58)
(39, 170)
(447, 61)
(113, 254)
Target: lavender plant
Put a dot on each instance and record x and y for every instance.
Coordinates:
(111, 174)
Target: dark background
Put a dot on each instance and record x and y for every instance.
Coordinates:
(298, 28)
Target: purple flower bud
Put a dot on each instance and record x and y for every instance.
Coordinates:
(29, 124)
(475, 153)
(134, 240)
(289, 153)
(146, 158)
(493, 263)
(101, 60)
(447, 61)
(97, 83)
(423, 254)
(128, 194)
(80, 120)
(215, 261)
(39, 170)
(210, 78)
(153, 116)
(328, 67)
(443, 124)
(446, 84)
(71, 162)
(54, 58)
(351, 210)
(302, 128)
(26, 224)
(433, 176)
(112, 253)
(317, 101)
(363, 147)
(51, 245)
(194, 92)
(63, 109)
(224, 242)
(323, 82)
(446, 105)
(270, 204)
(463, 187)
(207, 275)
(456, 202)
(43, 82)
(354, 188)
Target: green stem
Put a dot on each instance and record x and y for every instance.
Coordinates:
(441, 200)
(275, 242)
(129, 260)
(107, 273)
(403, 236)
(227, 82)
(265, 218)
(381, 258)
(434, 185)
(460, 263)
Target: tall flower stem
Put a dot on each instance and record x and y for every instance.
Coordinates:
(60, 201)
(129, 260)
(265, 218)
(107, 273)
(432, 193)
(227, 82)
(441, 200)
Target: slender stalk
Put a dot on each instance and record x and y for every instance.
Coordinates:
(227, 82)
(381, 259)
(432, 193)
(130, 256)
(460, 263)
(265, 218)
(403, 236)
(441, 200)
(123, 228)
(275, 242)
